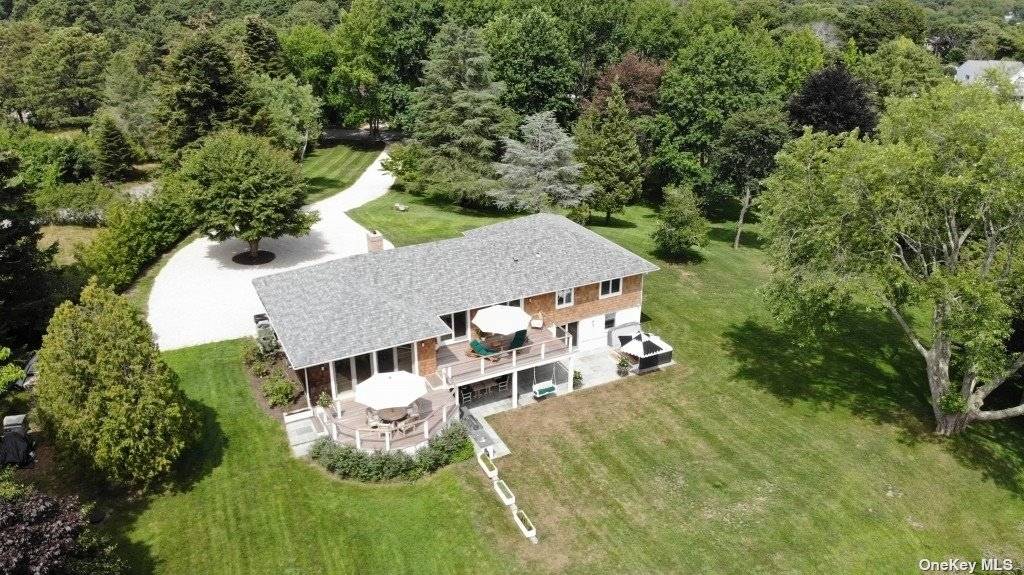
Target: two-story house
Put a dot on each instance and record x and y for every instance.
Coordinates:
(411, 308)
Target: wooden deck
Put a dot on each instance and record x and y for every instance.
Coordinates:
(437, 408)
(457, 367)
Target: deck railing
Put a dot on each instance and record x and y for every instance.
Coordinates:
(381, 438)
(456, 373)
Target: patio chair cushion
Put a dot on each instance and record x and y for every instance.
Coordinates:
(518, 339)
(480, 348)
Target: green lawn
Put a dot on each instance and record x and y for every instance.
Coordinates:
(67, 239)
(246, 506)
(754, 454)
(332, 169)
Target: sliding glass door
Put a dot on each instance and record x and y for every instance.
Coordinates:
(458, 324)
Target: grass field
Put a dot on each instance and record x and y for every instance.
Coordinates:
(754, 454)
(332, 169)
(67, 238)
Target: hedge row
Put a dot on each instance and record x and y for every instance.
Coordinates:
(137, 232)
(449, 446)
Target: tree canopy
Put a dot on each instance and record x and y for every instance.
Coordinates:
(608, 149)
(833, 100)
(921, 219)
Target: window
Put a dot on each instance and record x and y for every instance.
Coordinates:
(515, 303)
(405, 357)
(563, 298)
(386, 360)
(458, 322)
(611, 287)
(609, 320)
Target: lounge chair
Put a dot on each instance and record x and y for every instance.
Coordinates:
(478, 348)
(518, 339)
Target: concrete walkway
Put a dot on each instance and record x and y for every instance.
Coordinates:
(201, 296)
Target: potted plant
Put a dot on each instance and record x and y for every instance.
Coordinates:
(525, 525)
(324, 400)
(504, 493)
(623, 366)
(490, 470)
(577, 379)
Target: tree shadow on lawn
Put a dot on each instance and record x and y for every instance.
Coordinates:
(597, 220)
(867, 368)
(749, 238)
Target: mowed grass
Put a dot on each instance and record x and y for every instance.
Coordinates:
(329, 170)
(754, 454)
(244, 505)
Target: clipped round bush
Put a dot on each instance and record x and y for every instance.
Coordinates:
(278, 390)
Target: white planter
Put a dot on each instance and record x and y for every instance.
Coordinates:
(490, 470)
(504, 493)
(525, 525)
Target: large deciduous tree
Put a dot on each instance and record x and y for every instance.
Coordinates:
(925, 221)
(201, 92)
(25, 270)
(530, 55)
(833, 100)
(608, 149)
(246, 189)
(639, 79)
(900, 68)
(105, 393)
(745, 153)
(286, 112)
(457, 121)
(882, 20)
(63, 77)
(539, 171)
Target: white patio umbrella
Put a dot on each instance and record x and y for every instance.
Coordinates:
(390, 390)
(501, 319)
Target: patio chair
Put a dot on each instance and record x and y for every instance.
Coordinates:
(413, 412)
(518, 339)
(478, 348)
(372, 418)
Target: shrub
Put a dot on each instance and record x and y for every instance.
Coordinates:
(137, 232)
(105, 393)
(324, 400)
(48, 160)
(278, 390)
(449, 446)
(259, 363)
(80, 204)
(683, 227)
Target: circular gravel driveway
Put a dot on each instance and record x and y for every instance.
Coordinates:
(201, 296)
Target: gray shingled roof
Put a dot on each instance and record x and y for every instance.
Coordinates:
(366, 302)
(973, 70)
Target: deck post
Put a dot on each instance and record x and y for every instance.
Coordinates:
(359, 441)
(542, 346)
(305, 381)
(514, 357)
(444, 410)
(481, 365)
(426, 429)
(572, 372)
(515, 389)
(387, 441)
(334, 388)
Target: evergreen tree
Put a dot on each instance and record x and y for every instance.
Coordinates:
(683, 227)
(63, 77)
(105, 393)
(263, 48)
(114, 155)
(530, 55)
(457, 121)
(202, 91)
(833, 100)
(608, 150)
(539, 171)
(25, 270)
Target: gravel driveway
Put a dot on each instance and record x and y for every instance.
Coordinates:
(201, 296)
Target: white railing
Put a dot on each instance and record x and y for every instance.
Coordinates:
(382, 438)
(524, 356)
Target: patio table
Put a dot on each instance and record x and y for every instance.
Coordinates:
(393, 414)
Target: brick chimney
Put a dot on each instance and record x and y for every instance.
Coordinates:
(374, 241)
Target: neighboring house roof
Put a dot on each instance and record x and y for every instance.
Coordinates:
(973, 70)
(372, 301)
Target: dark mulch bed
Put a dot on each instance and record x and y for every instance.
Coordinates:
(247, 259)
(255, 384)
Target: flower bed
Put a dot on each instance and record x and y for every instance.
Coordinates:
(504, 493)
(525, 525)
(487, 465)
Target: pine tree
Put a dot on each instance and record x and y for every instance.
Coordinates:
(683, 227)
(106, 394)
(263, 48)
(458, 120)
(114, 155)
(539, 171)
(25, 270)
(608, 150)
(202, 91)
